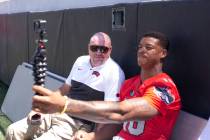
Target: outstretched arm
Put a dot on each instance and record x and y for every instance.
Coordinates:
(97, 111)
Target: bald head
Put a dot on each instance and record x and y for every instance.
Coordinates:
(100, 39)
(99, 48)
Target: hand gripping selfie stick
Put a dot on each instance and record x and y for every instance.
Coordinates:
(39, 61)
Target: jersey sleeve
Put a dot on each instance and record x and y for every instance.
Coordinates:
(160, 97)
(113, 87)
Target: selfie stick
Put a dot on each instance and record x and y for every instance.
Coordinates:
(39, 61)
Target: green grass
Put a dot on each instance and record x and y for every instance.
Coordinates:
(3, 91)
(4, 121)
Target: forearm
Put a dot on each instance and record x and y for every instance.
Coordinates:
(112, 112)
(96, 111)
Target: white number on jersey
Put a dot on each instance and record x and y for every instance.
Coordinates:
(134, 127)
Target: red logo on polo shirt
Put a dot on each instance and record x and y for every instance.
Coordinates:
(96, 73)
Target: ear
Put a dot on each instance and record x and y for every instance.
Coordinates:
(164, 53)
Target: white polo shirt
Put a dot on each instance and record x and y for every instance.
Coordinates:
(95, 83)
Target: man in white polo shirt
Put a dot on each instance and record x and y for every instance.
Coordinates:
(93, 77)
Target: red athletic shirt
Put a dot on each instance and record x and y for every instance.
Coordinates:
(161, 92)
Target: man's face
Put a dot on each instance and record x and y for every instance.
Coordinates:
(98, 54)
(99, 48)
(150, 52)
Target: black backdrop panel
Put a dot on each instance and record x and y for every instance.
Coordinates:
(80, 25)
(124, 40)
(17, 41)
(187, 26)
(54, 28)
(3, 50)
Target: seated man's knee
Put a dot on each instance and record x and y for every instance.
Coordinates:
(13, 131)
(10, 132)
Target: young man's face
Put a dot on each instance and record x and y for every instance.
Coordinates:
(150, 52)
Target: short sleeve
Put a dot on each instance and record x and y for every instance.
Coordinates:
(113, 86)
(159, 97)
(69, 78)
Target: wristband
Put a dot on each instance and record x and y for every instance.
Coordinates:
(66, 105)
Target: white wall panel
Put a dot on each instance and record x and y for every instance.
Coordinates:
(17, 103)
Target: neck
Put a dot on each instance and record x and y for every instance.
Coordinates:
(93, 64)
(96, 64)
(150, 72)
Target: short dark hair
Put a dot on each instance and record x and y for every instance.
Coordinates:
(164, 42)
